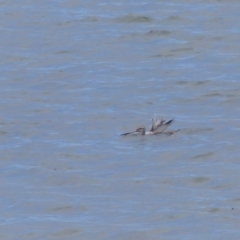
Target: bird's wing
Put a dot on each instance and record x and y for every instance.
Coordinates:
(156, 123)
(162, 127)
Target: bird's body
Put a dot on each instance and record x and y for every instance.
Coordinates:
(158, 127)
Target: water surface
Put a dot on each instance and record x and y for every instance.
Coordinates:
(75, 75)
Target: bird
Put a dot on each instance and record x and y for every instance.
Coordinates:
(158, 127)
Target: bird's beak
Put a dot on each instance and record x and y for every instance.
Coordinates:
(124, 134)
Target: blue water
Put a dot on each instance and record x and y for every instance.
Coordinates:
(75, 75)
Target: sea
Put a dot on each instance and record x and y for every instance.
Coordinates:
(75, 75)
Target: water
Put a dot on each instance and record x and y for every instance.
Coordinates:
(75, 75)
